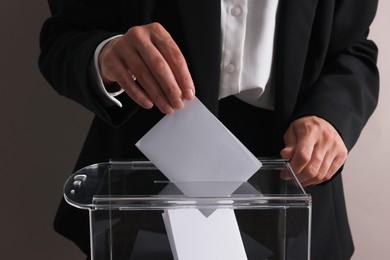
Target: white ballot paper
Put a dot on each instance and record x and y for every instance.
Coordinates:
(192, 146)
(207, 238)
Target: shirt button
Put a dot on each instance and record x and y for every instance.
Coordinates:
(236, 11)
(230, 68)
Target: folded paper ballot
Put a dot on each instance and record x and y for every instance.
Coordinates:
(211, 238)
(192, 146)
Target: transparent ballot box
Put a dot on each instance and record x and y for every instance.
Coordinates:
(129, 201)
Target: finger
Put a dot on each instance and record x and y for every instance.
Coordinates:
(146, 81)
(309, 147)
(290, 137)
(132, 89)
(332, 162)
(325, 171)
(176, 61)
(162, 74)
(327, 158)
(287, 152)
(135, 65)
(339, 154)
(285, 175)
(153, 89)
(302, 154)
(336, 164)
(114, 66)
(316, 170)
(156, 62)
(116, 71)
(318, 165)
(290, 142)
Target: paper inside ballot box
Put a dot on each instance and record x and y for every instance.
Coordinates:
(195, 236)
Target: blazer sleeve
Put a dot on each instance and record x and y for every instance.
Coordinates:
(68, 41)
(346, 91)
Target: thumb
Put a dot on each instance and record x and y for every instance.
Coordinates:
(287, 152)
(290, 140)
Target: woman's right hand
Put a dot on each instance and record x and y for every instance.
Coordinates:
(147, 63)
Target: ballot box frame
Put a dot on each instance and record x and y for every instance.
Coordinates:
(80, 192)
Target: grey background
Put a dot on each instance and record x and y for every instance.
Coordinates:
(42, 133)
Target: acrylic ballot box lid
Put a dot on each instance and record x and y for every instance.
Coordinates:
(139, 185)
(131, 207)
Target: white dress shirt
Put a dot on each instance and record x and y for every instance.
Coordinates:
(248, 32)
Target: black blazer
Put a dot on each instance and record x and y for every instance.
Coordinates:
(324, 66)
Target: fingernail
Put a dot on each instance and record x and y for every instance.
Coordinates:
(189, 93)
(167, 109)
(178, 103)
(148, 104)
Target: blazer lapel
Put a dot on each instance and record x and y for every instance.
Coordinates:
(202, 30)
(294, 30)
